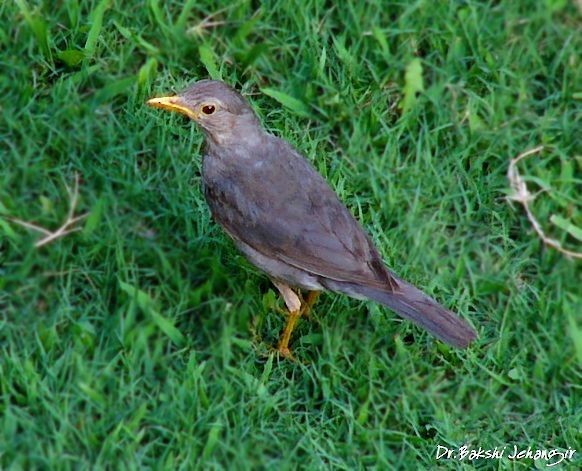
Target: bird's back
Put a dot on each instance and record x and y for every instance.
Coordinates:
(271, 198)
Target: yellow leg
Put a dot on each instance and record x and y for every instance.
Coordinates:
(296, 310)
(312, 297)
(283, 345)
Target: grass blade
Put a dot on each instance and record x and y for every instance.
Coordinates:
(413, 85)
(567, 226)
(147, 72)
(96, 26)
(113, 89)
(207, 58)
(288, 101)
(38, 27)
(184, 14)
(146, 304)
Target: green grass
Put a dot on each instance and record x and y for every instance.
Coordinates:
(143, 340)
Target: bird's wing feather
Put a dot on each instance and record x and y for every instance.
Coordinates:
(278, 204)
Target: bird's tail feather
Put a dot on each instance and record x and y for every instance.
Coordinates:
(411, 303)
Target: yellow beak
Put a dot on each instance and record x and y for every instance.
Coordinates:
(172, 103)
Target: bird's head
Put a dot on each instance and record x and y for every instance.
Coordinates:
(217, 108)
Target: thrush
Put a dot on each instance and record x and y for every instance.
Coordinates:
(286, 219)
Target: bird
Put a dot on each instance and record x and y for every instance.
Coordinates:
(289, 222)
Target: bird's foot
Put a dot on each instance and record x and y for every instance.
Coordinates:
(285, 352)
(297, 307)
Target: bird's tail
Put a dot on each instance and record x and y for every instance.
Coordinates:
(411, 303)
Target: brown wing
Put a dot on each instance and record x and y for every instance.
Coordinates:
(279, 205)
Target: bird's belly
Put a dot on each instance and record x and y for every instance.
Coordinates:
(280, 270)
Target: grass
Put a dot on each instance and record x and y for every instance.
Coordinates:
(142, 341)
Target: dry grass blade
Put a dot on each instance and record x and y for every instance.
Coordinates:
(522, 195)
(208, 23)
(68, 225)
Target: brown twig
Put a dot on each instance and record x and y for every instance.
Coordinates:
(66, 228)
(207, 23)
(522, 195)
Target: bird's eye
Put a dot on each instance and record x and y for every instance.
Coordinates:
(208, 109)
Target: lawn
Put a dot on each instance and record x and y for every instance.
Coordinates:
(144, 339)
